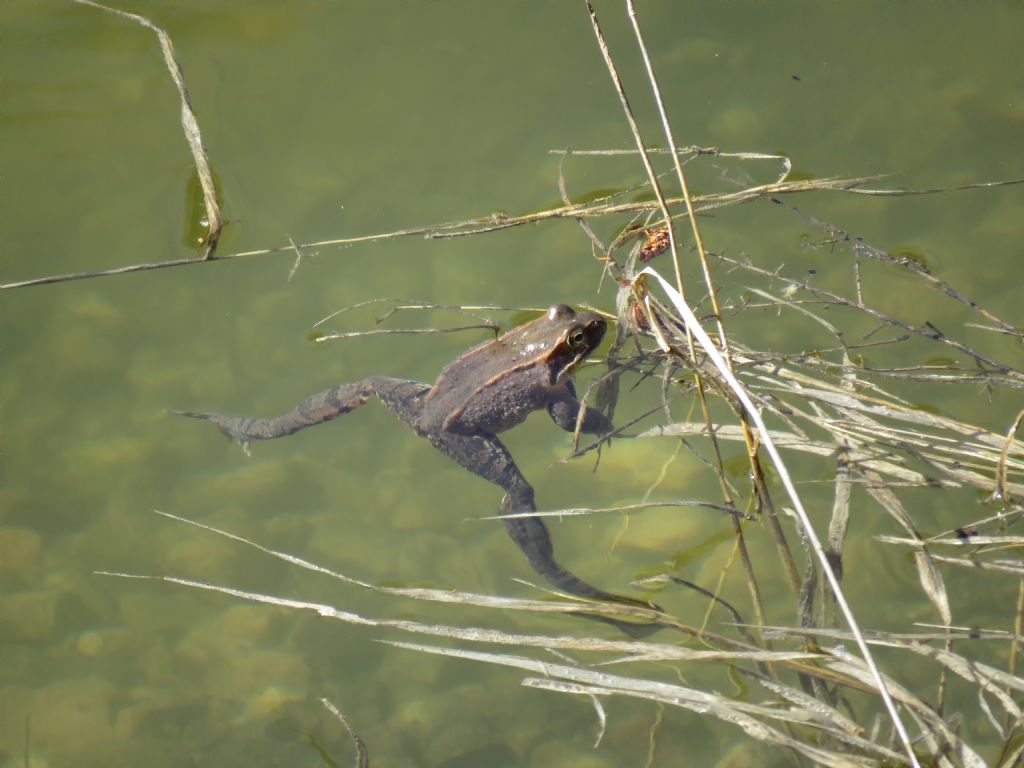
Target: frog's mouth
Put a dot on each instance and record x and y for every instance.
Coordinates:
(570, 368)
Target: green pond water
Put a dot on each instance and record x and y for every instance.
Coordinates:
(333, 120)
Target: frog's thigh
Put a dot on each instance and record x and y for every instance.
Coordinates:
(403, 397)
(487, 457)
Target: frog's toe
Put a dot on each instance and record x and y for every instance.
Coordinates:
(226, 424)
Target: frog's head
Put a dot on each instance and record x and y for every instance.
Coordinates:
(577, 333)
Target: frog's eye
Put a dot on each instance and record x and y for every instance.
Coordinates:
(577, 339)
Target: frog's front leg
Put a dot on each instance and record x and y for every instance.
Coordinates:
(486, 456)
(402, 397)
(565, 409)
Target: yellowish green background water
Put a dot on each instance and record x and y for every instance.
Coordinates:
(341, 119)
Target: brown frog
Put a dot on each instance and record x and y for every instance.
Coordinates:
(486, 390)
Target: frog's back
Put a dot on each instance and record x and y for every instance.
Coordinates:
(496, 385)
(490, 388)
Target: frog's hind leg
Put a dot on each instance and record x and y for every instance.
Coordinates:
(486, 456)
(403, 397)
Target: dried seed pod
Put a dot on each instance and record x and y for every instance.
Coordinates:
(655, 243)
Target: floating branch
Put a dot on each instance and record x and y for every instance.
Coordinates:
(487, 224)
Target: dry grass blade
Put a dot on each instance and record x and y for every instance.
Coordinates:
(631, 650)
(869, 424)
(985, 676)
(840, 521)
(815, 707)
(788, 441)
(433, 595)
(744, 715)
(931, 579)
(1010, 567)
(214, 220)
(621, 509)
(1001, 494)
(560, 686)
(841, 410)
(938, 736)
(693, 327)
(469, 634)
(977, 542)
(752, 718)
(362, 754)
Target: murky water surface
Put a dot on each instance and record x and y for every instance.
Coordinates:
(343, 119)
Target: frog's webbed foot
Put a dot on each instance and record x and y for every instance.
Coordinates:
(401, 396)
(229, 425)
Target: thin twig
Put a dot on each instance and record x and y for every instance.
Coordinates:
(471, 227)
(476, 226)
(860, 246)
(384, 331)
